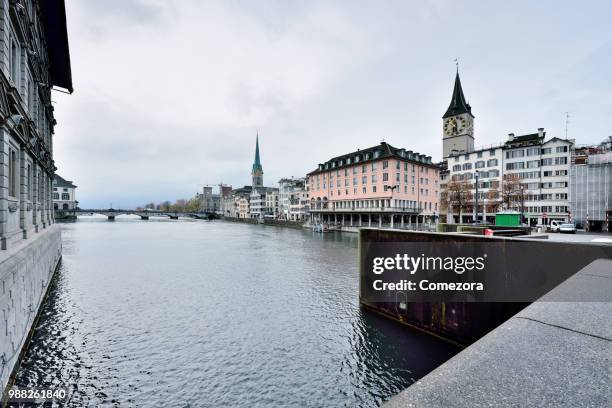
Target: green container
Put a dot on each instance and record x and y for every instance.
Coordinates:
(508, 219)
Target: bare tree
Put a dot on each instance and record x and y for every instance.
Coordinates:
(493, 197)
(511, 191)
(458, 196)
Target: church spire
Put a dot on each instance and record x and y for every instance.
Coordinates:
(257, 162)
(458, 104)
(257, 172)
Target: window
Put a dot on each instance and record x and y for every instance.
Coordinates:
(385, 164)
(491, 162)
(56, 196)
(547, 150)
(479, 155)
(30, 184)
(492, 152)
(479, 164)
(515, 153)
(13, 180)
(364, 179)
(533, 164)
(65, 196)
(547, 162)
(533, 151)
(373, 178)
(385, 176)
(364, 169)
(560, 160)
(373, 166)
(467, 166)
(373, 189)
(457, 167)
(561, 149)
(515, 166)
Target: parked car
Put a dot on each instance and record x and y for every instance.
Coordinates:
(567, 228)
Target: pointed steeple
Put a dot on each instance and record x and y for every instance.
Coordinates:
(257, 172)
(257, 162)
(458, 104)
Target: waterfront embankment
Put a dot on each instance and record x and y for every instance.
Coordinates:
(550, 354)
(26, 270)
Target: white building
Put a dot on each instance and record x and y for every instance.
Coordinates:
(542, 168)
(64, 194)
(285, 187)
(299, 205)
(263, 202)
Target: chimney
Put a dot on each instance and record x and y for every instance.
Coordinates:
(510, 137)
(541, 132)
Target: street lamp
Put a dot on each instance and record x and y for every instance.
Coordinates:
(477, 175)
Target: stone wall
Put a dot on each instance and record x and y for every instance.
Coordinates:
(25, 272)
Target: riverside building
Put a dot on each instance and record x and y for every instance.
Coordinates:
(540, 166)
(591, 186)
(379, 186)
(34, 59)
(64, 194)
(286, 186)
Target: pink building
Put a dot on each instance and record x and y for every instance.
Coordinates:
(379, 186)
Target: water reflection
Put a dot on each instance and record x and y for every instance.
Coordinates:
(164, 313)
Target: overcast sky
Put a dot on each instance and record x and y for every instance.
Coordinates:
(170, 94)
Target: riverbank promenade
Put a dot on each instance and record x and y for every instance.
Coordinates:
(549, 354)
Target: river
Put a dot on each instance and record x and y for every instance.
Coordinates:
(164, 313)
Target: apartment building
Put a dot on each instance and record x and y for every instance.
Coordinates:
(378, 186)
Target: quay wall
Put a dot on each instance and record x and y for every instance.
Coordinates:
(26, 269)
(278, 223)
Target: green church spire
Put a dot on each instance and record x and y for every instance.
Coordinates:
(257, 162)
(257, 172)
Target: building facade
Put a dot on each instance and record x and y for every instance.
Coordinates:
(64, 194)
(286, 186)
(378, 186)
(591, 186)
(526, 173)
(539, 170)
(299, 205)
(210, 202)
(264, 202)
(34, 58)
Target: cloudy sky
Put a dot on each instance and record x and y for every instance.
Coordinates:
(170, 94)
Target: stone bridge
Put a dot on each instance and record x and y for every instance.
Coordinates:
(111, 213)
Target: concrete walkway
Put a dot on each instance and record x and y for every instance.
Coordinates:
(551, 354)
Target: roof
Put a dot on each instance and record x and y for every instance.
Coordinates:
(56, 34)
(458, 104)
(378, 152)
(526, 140)
(59, 181)
(257, 162)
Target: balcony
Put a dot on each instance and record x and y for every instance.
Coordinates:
(365, 210)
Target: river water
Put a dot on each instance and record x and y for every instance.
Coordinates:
(184, 313)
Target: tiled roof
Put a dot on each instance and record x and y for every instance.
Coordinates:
(378, 152)
(59, 181)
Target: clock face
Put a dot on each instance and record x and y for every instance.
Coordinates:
(450, 127)
(461, 125)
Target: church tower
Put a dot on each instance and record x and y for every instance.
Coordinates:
(457, 124)
(257, 172)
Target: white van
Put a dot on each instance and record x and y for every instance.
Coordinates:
(554, 225)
